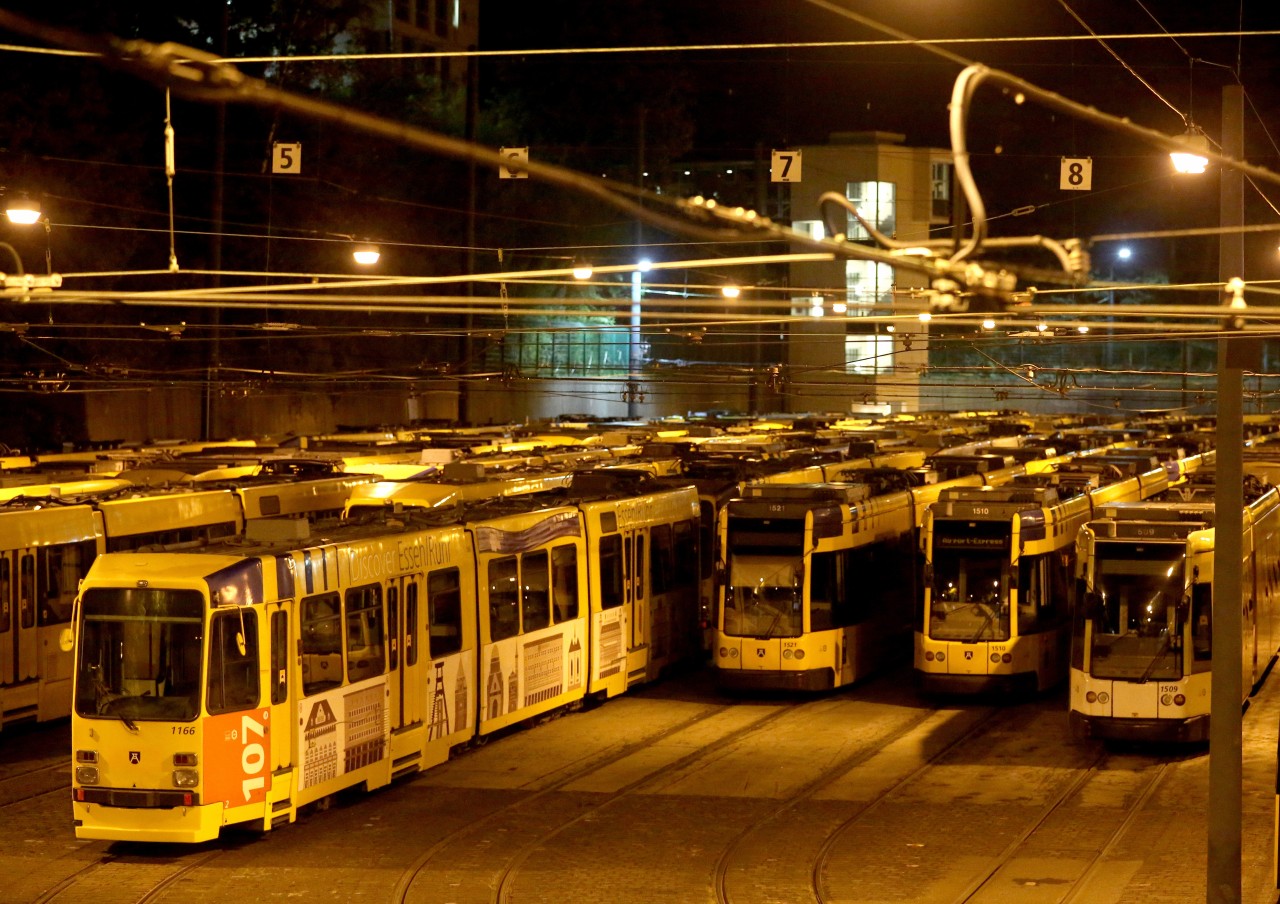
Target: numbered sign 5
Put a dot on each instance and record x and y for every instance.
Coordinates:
(785, 166)
(286, 157)
(516, 156)
(1076, 174)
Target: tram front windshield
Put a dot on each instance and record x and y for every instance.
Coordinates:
(139, 654)
(764, 597)
(970, 599)
(1135, 611)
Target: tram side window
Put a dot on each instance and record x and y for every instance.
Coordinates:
(279, 657)
(685, 536)
(611, 576)
(1031, 592)
(564, 581)
(5, 588)
(365, 649)
(321, 643)
(504, 598)
(27, 591)
(61, 568)
(233, 661)
(661, 560)
(706, 538)
(826, 592)
(444, 612)
(1201, 626)
(535, 599)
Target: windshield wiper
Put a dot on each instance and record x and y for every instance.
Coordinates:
(986, 622)
(104, 698)
(1155, 659)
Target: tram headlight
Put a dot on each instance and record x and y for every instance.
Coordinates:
(87, 775)
(1104, 697)
(185, 760)
(733, 654)
(799, 654)
(186, 778)
(86, 756)
(724, 652)
(786, 654)
(941, 656)
(928, 655)
(1091, 697)
(1006, 658)
(1179, 699)
(1166, 699)
(995, 657)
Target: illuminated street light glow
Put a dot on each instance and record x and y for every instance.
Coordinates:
(730, 291)
(366, 255)
(23, 210)
(1042, 326)
(925, 316)
(1082, 329)
(582, 270)
(1124, 253)
(1192, 159)
(988, 324)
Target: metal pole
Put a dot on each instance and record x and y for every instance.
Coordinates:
(1225, 746)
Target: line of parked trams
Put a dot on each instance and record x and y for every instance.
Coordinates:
(235, 678)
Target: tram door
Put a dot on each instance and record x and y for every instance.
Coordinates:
(19, 631)
(282, 721)
(634, 545)
(406, 672)
(8, 637)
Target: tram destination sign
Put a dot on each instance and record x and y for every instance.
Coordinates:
(970, 541)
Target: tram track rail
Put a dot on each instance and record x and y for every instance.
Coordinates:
(403, 888)
(723, 864)
(139, 878)
(32, 783)
(985, 881)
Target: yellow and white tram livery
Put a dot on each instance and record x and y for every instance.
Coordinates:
(1141, 648)
(998, 569)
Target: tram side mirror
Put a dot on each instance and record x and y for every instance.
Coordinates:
(66, 640)
(1184, 608)
(928, 574)
(1092, 603)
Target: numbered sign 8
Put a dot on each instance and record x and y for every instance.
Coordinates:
(1076, 174)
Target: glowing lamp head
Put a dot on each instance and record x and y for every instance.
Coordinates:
(1190, 158)
(366, 255)
(23, 210)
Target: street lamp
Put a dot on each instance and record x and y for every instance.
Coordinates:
(23, 210)
(1191, 159)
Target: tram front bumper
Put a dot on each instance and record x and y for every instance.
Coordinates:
(1189, 730)
(943, 683)
(182, 825)
(822, 679)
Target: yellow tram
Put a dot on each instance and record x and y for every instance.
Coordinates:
(48, 542)
(998, 564)
(242, 682)
(1141, 646)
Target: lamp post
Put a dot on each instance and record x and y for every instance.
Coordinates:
(635, 358)
(1225, 743)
